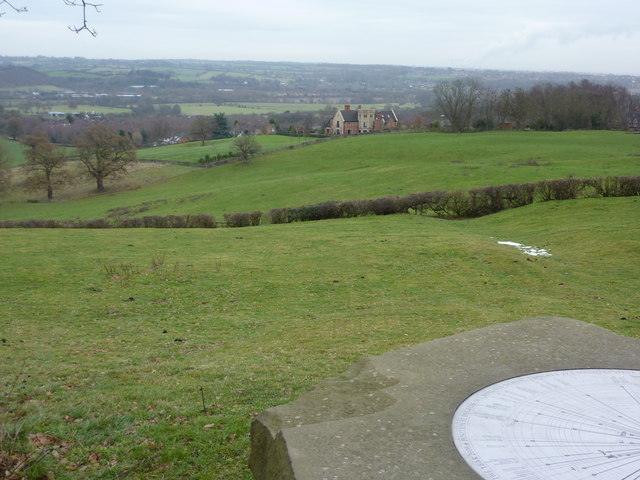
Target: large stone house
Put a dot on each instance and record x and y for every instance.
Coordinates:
(362, 120)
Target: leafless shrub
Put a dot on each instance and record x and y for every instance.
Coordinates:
(95, 223)
(616, 186)
(517, 194)
(238, 219)
(201, 220)
(279, 215)
(563, 189)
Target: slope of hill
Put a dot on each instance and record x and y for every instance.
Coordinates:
(117, 337)
(362, 167)
(15, 149)
(18, 76)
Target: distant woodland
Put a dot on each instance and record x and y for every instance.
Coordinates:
(153, 100)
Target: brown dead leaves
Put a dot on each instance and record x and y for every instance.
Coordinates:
(43, 440)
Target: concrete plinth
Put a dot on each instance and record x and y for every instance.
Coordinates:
(389, 417)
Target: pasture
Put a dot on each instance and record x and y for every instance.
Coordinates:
(193, 151)
(246, 108)
(145, 353)
(111, 338)
(87, 108)
(357, 167)
(249, 108)
(15, 150)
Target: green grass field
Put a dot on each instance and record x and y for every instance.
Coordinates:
(15, 149)
(83, 107)
(110, 339)
(360, 167)
(248, 108)
(193, 151)
(111, 335)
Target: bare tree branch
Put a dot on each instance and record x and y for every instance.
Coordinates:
(84, 4)
(71, 3)
(16, 9)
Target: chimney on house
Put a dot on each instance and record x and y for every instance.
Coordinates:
(347, 107)
(359, 107)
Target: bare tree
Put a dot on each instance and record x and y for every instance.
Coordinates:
(488, 110)
(202, 128)
(83, 4)
(458, 100)
(520, 107)
(15, 127)
(161, 129)
(105, 153)
(12, 7)
(43, 158)
(246, 147)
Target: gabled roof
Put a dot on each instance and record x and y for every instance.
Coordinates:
(349, 115)
(389, 115)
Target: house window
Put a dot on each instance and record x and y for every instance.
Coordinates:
(338, 124)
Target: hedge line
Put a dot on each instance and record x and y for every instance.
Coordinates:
(151, 221)
(455, 204)
(463, 204)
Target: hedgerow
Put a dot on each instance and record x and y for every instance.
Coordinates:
(472, 203)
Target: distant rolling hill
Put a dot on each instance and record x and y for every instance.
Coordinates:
(12, 76)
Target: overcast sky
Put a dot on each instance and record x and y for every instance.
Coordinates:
(586, 36)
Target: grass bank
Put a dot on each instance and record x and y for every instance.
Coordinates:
(194, 151)
(15, 149)
(111, 338)
(363, 167)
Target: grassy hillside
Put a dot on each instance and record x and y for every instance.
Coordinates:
(363, 167)
(110, 338)
(247, 108)
(16, 150)
(193, 151)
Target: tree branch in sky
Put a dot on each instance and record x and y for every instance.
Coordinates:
(12, 7)
(84, 4)
(72, 3)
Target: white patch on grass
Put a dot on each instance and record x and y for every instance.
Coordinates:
(528, 250)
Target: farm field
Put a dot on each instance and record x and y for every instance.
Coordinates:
(247, 108)
(15, 149)
(244, 108)
(84, 107)
(113, 338)
(193, 151)
(32, 88)
(358, 167)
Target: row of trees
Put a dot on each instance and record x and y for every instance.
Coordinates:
(143, 130)
(102, 151)
(150, 130)
(204, 128)
(466, 104)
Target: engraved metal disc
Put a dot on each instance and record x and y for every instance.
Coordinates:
(560, 425)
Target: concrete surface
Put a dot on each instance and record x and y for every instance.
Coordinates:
(388, 417)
